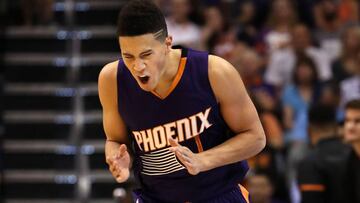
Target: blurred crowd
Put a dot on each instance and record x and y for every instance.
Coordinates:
(292, 55)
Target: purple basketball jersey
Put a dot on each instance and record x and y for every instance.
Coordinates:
(191, 115)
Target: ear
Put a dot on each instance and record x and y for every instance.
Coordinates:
(168, 42)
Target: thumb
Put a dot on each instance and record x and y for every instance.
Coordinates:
(122, 149)
(173, 142)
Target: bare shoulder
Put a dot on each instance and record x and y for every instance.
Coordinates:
(107, 84)
(223, 77)
(235, 104)
(114, 126)
(219, 67)
(109, 71)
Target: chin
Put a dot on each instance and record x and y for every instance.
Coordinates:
(352, 139)
(146, 87)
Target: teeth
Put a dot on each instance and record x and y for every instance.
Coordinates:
(142, 76)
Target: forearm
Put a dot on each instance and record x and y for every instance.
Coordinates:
(242, 146)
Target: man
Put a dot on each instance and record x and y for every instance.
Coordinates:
(178, 105)
(321, 173)
(180, 26)
(352, 136)
(282, 61)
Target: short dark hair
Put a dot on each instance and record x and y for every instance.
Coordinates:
(353, 104)
(138, 17)
(302, 59)
(322, 115)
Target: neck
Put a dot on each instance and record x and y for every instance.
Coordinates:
(305, 85)
(318, 136)
(356, 147)
(331, 26)
(170, 70)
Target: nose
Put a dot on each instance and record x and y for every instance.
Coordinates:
(349, 125)
(139, 66)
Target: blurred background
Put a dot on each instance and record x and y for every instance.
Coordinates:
(291, 54)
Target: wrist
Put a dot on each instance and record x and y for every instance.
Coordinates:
(112, 141)
(205, 163)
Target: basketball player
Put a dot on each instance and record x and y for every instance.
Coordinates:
(185, 114)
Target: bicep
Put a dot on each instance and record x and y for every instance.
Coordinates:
(113, 124)
(239, 113)
(236, 106)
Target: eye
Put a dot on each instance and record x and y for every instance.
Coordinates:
(127, 57)
(146, 55)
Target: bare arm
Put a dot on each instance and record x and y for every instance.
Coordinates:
(114, 127)
(240, 115)
(116, 135)
(288, 116)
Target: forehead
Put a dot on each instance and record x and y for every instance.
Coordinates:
(137, 44)
(352, 114)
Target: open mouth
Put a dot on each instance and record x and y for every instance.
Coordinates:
(143, 79)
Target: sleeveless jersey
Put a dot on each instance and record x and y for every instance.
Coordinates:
(191, 115)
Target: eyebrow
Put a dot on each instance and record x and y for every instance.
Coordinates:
(146, 52)
(142, 53)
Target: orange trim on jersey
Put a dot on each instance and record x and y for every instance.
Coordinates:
(244, 193)
(198, 143)
(312, 187)
(176, 79)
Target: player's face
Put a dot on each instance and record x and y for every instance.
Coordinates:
(145, 57)
(352, 125)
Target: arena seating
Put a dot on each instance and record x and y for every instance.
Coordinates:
(54, 140)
